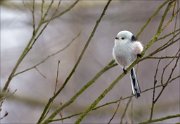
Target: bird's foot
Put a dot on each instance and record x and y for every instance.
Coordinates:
(139, 55)
(125, 71)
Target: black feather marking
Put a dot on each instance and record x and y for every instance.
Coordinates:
(137, 94)
(133, 38)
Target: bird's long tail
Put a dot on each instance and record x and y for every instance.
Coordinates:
(134, 83)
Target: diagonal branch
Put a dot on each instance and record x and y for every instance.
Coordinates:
(149, 20)
(161, 119)
(115, 111)
(113, 102)
(154, 89)
(125, 110)
(33, 17)
(57, 76)
(48, 57)
(42, 8)
(104, 93)
(72, 71)
(38, 31)
(62, 13)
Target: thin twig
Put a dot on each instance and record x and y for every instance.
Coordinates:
(47, 11)
(72, 71)
(62, 13)
(170, 20)
(104, 93)
(4, 95)
(164, 46)
(106, 68)
(48, 57)
(161, 57)
(164, 69)
(33, 17)
(125, 110)
(167, 82)
(29, 46)
(154, 89)
(20, 59)
(42, 9)
(155, 38)
(115, 111)
(174, 7)
(59, 3)
(40, 72)
(113, 102)
(167, 35)
(57, 75)
(154, 100)
(149, 20)
(161, 119)
(159, 30)
(26, 6)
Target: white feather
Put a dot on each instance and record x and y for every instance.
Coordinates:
(125, 52)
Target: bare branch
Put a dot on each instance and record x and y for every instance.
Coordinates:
(59, 3)
(164, 69)
(104, 93)
(114, 102)
(167, 35)
(57, 75)
(164, 46)
(170, 20)
(62, 13)
(154, 100)
(167, 82)
(159, 30)
(72, 71)
(115, 111)
(154, 88)
(44, 23)
(26, 6)
(30, 44)
(125, 110)
(154, 14)
(161, 119)
(161, 57)
(40, 72)
(42, 8)
(47, 11)
(48, 57)
(5, 95)
(33, 16)
(106, 68)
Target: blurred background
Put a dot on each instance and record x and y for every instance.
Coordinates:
(34, 89)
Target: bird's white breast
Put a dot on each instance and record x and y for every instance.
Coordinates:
(122, 53)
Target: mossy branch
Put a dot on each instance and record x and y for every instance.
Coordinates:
(104, 93)
(35, 35)
(153, 15)
(71, 73)
(48, 57)
(160, 119)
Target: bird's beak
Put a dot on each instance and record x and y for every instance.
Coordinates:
(133, 38)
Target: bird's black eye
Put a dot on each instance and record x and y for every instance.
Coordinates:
(116, 38)
(122, 38)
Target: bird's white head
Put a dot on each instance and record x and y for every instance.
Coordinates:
(125, 36)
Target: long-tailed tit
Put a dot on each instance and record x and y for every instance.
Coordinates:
(125, 51)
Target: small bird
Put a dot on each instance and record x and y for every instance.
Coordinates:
(126, 49)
